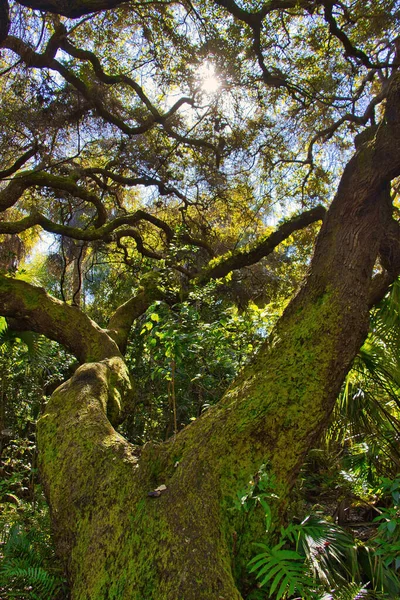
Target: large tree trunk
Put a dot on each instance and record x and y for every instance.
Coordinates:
(117, 541)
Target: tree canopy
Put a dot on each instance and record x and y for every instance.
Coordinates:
(112, 138)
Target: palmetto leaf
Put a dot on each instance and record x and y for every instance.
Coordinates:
(350, 591)
(368, 407)
(329, 550)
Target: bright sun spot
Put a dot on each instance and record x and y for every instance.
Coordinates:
(209, 82)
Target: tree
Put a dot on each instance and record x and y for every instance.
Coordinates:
(299, 80)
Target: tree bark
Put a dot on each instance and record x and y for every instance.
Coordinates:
(33, 309)
(71, 8)
(4, 20)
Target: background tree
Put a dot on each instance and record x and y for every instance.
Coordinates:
(115, 142)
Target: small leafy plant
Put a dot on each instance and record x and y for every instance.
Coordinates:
(282, 571)
(387, 541)
(318, 560)
(22, 571)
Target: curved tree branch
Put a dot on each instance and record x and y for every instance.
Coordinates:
(351, 50)
(122, 320)
(91, 234)
(379, 286)
(107, 232)
(254, 19)
(11, 194)
(163, 188)
(389, 255)
(66, 45)
(327, 133)
(34, 310)
(134, 234)
(274, 79)
(33, 59)
(19, 162)
(389, 251)
(72, 8)
(244, 257)
(4, 20)
(47, 59)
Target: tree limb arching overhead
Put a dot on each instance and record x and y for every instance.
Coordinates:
(33, 309)
(72, 9)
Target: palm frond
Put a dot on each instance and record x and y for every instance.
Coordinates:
(349, 591)
(330, 551)
(369, 404)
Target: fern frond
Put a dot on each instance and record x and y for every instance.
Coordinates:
(282, 571)
(16, 543)
(42, 584)
(21, 568)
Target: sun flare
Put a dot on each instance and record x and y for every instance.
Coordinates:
(209, 81)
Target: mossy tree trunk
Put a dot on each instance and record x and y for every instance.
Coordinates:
(120, 543)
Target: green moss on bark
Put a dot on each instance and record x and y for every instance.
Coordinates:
(57, 320)
(120, 543)
(117, 541)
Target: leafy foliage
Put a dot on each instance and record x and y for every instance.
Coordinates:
(21, 572)
(190, 352)
(283, 570)
(127, 181)
(368, 409)
(349, 591)
(330, 552)
(387, 540)
(317, 555)
(30, 366)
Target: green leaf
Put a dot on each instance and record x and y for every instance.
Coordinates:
(270, 574)
(391, 526)
(283, 587)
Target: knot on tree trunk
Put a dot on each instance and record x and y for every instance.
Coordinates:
(120, 392)
(110, 382)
